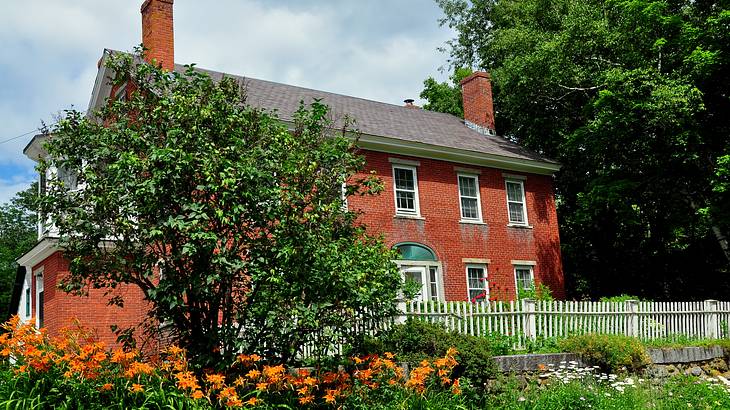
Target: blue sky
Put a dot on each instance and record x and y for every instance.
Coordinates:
(380, 50)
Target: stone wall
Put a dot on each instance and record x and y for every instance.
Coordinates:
(697, 361)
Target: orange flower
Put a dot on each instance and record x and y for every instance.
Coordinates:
(306, 399)
(138, 368)
(389, 355)
(455, 387)
(197, 394)
(136, 388)
(187, 380)
(303, 391)
(262, 386)
(99, 356)
(234, 402)
(174, 350)
(330, 397)
(253, 401)
(253, 374)
(217, 380)
(106, 387)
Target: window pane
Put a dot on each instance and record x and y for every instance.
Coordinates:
(405, 200)
(469, 208)
(467, 186)
(40, 309)
(434, 283)
(404, 179)
(27, 302)
(476, 294)
(515, 212)
(524, 278)
(432, 274)
(514, 191)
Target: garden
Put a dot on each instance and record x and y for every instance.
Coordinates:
(412, 365)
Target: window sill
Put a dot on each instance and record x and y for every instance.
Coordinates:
(466, 221)
(404, 216)
(521, 226)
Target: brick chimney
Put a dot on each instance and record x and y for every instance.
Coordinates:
(157, 33)
(476, 91)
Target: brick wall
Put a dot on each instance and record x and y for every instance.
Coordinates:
(61, 308)
(453, 241)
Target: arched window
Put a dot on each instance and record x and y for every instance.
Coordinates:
(415, 252)
(418, 264)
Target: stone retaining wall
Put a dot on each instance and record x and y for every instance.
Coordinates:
(697, 361)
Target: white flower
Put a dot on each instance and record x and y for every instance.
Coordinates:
(521, 399)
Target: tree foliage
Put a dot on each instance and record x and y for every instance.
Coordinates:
(230, 221)
(17, 235)
(631, 96)
(445, 97)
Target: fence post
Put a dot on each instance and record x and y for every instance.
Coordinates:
(400, 318)
(632, 319)
(530, 328)
(711, 319)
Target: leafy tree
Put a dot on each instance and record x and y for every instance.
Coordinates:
(445, 97)
(231, 223)
(632, 98)
(17, 235)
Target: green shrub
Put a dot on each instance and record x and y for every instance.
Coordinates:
(612, 353)
(416, 340)
(619, 298)
(539, 292)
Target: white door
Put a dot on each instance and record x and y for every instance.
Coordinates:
(418, 275)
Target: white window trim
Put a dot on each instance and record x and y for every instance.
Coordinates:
(532, 276)
(479, 198)
(524, 202)
(39, 287)
(416, 202)
(482, 266)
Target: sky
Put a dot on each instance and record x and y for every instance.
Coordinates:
(375, 49)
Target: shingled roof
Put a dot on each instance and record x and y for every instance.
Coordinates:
(380, 119)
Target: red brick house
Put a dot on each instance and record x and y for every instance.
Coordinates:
(472, 213)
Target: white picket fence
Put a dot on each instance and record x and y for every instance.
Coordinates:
(530, 320)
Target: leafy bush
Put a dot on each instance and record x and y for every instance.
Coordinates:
(416, 340)
(619, 298)
(611, 352)
(539, 292)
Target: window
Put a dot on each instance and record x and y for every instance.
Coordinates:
(516, 202)
(405, 186)
(469, 198)
(69, 177)
(27, 302)
(524, 278)
(426, 277)
(39, 300)
(121, 94)
(476, 282)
